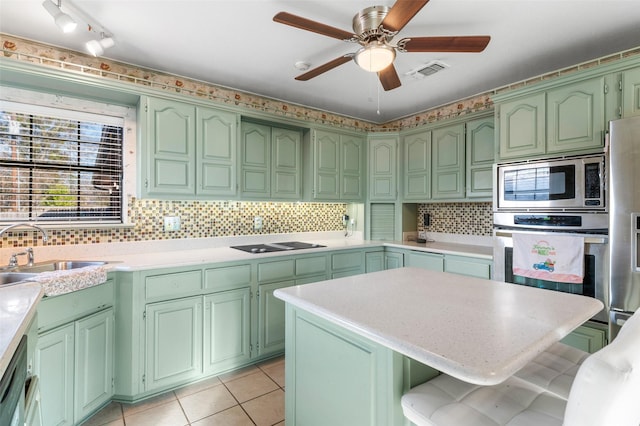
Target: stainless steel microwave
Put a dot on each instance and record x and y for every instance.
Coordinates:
(563, 184)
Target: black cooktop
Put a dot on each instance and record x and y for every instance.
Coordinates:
(271, 247)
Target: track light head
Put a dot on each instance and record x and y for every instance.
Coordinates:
(97, 47)
(62, 20)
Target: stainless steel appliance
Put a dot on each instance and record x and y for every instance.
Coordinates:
(12, 387)
(624, 230)
(554, 185)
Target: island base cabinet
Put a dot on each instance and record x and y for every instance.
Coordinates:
(334, 377)
(226, 330)
(174, 342)
(271, 318)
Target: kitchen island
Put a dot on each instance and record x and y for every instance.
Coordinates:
(354, 345)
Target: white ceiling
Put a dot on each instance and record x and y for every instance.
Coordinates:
(236, 44)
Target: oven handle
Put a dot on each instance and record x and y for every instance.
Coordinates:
(587, 239)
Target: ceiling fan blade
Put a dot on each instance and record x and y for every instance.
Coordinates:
(444, 44)
(324, 68)
(401, 13)
(389, 78)
(313, 26)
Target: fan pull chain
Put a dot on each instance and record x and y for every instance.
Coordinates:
(378, 110)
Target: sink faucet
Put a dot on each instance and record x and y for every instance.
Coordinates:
(30, 225)
(13, 260)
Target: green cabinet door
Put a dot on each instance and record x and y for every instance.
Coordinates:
(480, 156)
(173, 342)
(631, 93)
(271, 318)
(54, 363)
(575, 116)
(286, 181)
(393, 260)
(326, 166)
(351, 168)
(226, 330)
(522, 126)
(448, 162)
(417, 163)
(256, 160)
(431, 261)
(469, 266)
(216, 147)
(587, 338)
(170, 145)
(383, 169)
(374, 261)
(94, 363)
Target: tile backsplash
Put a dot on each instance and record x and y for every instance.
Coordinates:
(198, 219)
(457, 218)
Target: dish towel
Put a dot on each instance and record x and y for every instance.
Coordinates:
(549, 257)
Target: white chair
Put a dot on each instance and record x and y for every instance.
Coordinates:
(605, 391)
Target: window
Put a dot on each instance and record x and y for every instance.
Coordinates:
(59, 165)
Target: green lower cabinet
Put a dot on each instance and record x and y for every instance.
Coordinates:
(74, 364)
(173, 342)
(33, 412)
(54, 362)
(347, 263)
(468, 266)
(393, 260)
(271, 318)
(590, 337)
(430, 261)
(374, 261)
(226, 330)
(94, 342)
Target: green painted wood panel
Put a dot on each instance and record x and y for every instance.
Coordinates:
(468, 266)
(171, 136)
(631, 93)
(271, 318)
(575, 116)
(417, 163)
(351, 168)
(216, 135)
(326, 165)
(393, 260)
(374, 261)
(173, 342)
(382, 217)
(522, 126)
(286, 155)
(383, 169)
(448, 144)
(311, 265)
(588, 339)
(167, 286)
(226, 330)
(346, 260)
(94, 340)
(276, 270)
(480, 145)
(227, 277)
(431, 261)
(256, 160)
(55, 361)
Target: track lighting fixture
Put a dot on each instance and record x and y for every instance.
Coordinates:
(62, 20)
(96, 47)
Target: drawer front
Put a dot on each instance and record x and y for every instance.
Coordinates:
(346, 260)
(57, 310)
(273, 271)
(228, 277)
(173, 285)
(311, 265)
(465, 266)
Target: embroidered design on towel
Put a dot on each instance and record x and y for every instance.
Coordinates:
(552, 257)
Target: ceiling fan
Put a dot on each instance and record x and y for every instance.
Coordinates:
(374, 28)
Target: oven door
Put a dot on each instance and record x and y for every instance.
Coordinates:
(596, 253)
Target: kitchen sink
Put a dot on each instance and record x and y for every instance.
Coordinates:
(7, 278)
(56, 265)
(271, 247)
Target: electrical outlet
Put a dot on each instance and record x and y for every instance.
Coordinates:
(171, 223)
(422, 235)
(345, 219)
(257, 223)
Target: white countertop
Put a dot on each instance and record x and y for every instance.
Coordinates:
(478, 330)
(17, 309)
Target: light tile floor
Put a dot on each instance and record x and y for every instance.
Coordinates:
(252, 396)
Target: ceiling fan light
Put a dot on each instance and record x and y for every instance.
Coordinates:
(62, 20)
(375, 56)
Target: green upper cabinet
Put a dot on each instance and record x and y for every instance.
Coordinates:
(522, 126)
(560, 118)
(170, 160)
(271, 162)
(448, 162)
(417, 163)
(480, 157)
(216, 148)
(631, 92)
(383, 167)
(187, 150)
(575, 116)
(338, 166)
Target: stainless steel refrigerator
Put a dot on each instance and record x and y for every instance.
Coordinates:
(624, 220)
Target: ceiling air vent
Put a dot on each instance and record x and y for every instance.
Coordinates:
(427, 70)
